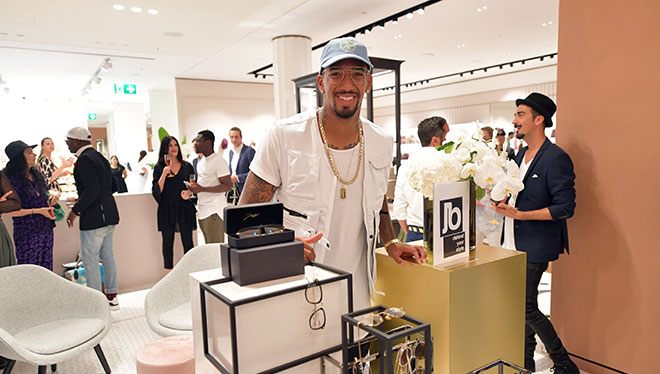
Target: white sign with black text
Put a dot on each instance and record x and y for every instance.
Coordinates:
(451, 223)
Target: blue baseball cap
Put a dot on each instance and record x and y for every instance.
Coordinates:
(343, 48)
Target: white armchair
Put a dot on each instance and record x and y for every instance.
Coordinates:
(45, 319)
(167, 305)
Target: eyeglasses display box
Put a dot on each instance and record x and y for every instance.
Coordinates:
(406, 348)
(264, 263)
(267, 327)
(254, 225)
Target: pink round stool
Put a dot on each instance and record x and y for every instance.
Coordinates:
(171, 355)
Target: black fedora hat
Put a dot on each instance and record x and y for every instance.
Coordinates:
(15, 148)
(540, 103)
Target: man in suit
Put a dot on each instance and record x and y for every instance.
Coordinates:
(536, 218)
(239, 166)
(97, 210)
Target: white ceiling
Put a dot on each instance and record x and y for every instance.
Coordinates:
(53, 47)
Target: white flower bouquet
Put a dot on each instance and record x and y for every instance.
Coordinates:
(469, 158)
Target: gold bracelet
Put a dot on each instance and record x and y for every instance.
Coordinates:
(393, 241)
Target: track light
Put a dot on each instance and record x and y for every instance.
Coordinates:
(106, 65)
(97, 79)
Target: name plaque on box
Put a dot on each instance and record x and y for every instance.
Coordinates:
(451, 209)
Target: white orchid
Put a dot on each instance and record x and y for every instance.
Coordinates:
(505, 187)
(470, 158)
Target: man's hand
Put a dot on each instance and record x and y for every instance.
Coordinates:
(196, 188)
(234, 179)
(185, 194)
(401, 253)
(308, 244)
(71, 218)
(506, 210)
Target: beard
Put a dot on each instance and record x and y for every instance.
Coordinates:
(346, 112)
(520, 136)
(343, 111)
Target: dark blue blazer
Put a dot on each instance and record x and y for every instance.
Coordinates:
(549, 183)
(243, 166)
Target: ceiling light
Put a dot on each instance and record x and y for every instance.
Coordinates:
(549, 22)
(118, 7)
(395, 22)
(544, 24)
(420, 11)
(410, 16)
(136, 9)
(153, 12)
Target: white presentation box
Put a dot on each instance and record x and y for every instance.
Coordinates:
(265, 327)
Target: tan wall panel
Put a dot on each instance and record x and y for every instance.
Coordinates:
(605, 302)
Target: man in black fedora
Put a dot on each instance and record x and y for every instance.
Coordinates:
(535, 220)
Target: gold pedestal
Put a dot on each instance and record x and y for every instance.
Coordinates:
(476, 310)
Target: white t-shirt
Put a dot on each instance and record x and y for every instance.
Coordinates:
(509, 237)
(347, 233)
(234, 159)
(408, 203)
(209, 169)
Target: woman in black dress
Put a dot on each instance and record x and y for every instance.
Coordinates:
(119, 173)
(174, 213)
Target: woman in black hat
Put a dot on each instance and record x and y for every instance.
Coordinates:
(33, 224)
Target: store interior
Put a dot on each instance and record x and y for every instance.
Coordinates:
(128, 70)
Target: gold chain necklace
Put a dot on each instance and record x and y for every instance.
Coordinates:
(328, 152)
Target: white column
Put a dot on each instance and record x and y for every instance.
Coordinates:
(292, 58)
(162, 104)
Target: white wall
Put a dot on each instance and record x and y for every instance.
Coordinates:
(32, 119)
(221, 105)
(490, 107)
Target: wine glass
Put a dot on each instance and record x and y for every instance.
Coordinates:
(168, 160)
(191, 178)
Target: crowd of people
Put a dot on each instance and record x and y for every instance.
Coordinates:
(328, 167)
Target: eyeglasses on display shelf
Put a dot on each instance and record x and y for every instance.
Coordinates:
(375, 319)
(261, 230)
(314, 296)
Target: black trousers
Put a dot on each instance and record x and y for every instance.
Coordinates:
(168, 245)
(536, 323)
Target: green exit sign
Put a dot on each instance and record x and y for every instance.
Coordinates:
(125, 88)
(91, 116)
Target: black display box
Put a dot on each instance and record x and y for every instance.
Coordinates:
(249, 215)
(264, 263)
(232, 363)
(386, 341)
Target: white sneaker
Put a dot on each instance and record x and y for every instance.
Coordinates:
(114, 304)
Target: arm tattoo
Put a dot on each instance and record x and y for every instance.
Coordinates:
(386, 230)
(256, 190)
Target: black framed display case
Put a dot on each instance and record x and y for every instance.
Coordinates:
(385, 341)
(276, 313)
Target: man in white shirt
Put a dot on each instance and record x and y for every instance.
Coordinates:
(212, 181)
(329, 168)
(409, 204)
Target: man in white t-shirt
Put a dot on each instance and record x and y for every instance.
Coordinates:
(409, 204)
(212, 182)
(329, 168)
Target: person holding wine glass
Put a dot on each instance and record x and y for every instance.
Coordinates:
(174, 212)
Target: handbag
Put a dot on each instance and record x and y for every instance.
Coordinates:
(59, 212)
